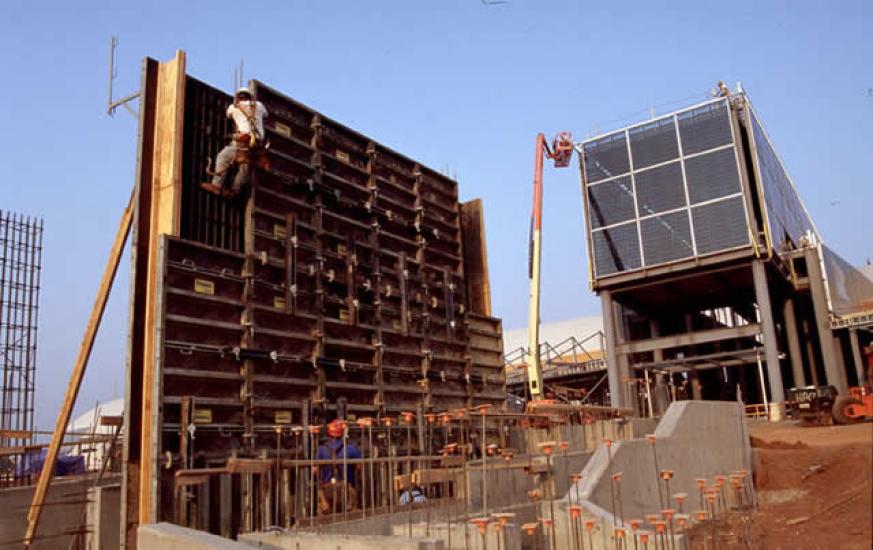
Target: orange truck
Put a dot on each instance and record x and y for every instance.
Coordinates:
(858, 405)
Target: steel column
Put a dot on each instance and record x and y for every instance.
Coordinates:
(836, 376)
(768, 330)
(856, 356)
(793, 342)
(612, 364)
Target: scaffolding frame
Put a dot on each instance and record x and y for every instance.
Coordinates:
(20, 271)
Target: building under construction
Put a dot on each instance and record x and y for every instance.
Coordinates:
(714, 281)
(342, 301)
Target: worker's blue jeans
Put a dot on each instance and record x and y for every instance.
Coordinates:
(223, 163)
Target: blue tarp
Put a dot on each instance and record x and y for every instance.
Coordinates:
(66, 465)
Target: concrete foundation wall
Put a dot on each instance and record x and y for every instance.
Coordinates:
(316, 541)
(166, 536)
(508, 538)
(104, 516)
(63, 512)
(695, 439)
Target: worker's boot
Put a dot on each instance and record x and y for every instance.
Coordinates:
(219, 190)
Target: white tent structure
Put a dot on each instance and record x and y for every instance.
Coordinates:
(88, 424)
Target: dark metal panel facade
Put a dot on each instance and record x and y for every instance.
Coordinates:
(657, 179)
(787, 217)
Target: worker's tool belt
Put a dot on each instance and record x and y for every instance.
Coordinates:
(246, 154)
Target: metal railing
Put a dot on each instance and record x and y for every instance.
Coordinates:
(569, 356)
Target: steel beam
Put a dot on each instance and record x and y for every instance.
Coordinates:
(699, 337)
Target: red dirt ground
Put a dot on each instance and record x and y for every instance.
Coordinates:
(814, 489)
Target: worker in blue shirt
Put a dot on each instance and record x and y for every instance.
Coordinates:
(333, 481)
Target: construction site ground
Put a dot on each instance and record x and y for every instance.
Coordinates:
(814, 490)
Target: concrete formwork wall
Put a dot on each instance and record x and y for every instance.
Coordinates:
(345, 272)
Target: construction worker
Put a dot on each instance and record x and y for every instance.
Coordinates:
(246, 147)
(337, 484)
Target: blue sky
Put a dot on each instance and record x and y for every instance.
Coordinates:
(454, 83)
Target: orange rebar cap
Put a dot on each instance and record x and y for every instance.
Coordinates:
(481, 523)
(365, 422)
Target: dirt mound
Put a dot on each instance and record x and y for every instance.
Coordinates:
(759, 443)
(814, 493)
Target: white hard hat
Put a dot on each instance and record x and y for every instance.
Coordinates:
(243, 90)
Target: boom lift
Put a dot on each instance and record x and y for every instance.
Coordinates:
(561, 152)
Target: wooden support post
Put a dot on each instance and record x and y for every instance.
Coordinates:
(164, 217)
(48, 468)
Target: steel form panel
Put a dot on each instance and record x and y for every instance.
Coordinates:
(344, 277)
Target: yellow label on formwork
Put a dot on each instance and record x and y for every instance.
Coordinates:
(341, 249)
(279, 302)
(204, 286)
(282, 417)
(397, 325)
(279, 231)
(203, 416)
(342, 155)
(344, 315)
(282, 129)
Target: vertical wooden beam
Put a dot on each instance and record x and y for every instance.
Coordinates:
(140, 236)
(164, 217)
(48, 467)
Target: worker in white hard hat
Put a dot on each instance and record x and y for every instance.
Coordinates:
(248, 119)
